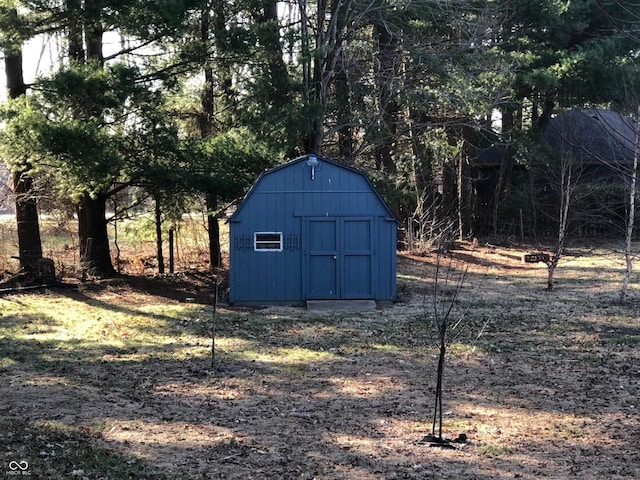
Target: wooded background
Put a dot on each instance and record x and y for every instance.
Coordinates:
(170, 106)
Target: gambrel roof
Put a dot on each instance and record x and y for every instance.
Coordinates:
(275, 171)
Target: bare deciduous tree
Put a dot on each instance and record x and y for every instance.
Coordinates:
(628, 253)
(449, 319)
(565, 183)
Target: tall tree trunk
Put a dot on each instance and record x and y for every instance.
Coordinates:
(448, 201)
(222, 110)
(542, 121)
(207, 97)
(333, 18)
(215, 252)
(74, 32)
(345, 114)
(29, 242)
(314, 138)
(208, 111)
(270, 37)
(94, 32)
(92, 224)
(422, 178)
(158, 222)
(506, 166)
(465, 187)
(387, 65)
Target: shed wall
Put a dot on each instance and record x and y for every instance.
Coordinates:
(338, 237)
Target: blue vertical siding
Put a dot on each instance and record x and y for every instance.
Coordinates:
(338, 237)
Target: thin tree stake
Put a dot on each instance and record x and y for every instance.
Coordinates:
(213, 322)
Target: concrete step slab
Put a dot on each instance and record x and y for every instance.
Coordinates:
(341, 305)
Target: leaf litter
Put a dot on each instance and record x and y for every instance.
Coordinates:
(541, 385)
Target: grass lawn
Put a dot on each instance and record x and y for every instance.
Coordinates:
(114, 380)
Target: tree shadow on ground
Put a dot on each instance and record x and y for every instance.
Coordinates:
(350, 416)
(53, 450)
(357, 408)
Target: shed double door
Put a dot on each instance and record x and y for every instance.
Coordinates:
(339, 258)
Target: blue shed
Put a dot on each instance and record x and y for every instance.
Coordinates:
(312, 229)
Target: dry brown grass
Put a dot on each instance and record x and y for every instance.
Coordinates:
(544, 384)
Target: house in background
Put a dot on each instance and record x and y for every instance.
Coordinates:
(601, 146)
(602, 139)
(312, 229)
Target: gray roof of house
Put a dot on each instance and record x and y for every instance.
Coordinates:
(593, 136)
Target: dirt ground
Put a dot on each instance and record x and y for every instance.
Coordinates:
(544, 384)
